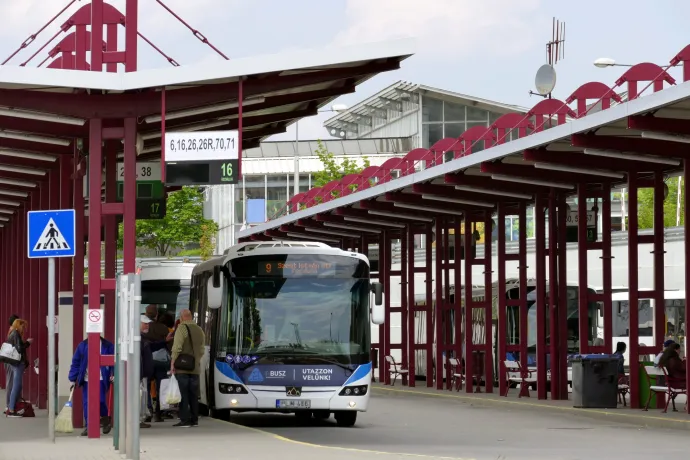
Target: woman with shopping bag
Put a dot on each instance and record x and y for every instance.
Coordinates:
(13, 352)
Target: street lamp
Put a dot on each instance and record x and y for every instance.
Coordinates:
(602, 63)
(337, 108)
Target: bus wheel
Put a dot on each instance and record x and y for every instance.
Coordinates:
(220, 414)
(322, 414)
(303, 416)
(346, 418)
(203, 410)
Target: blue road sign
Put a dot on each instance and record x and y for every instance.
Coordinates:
(51, 233)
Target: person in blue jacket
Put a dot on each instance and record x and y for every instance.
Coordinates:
(79, 376)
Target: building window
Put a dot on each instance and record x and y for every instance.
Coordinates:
(431, 133)
(453, 112)
(432, 110)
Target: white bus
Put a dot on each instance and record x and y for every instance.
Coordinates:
(288, 330)
(165, 284)
(674, 314)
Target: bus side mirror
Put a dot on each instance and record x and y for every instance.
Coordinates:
(377, 311)
(377, 289)
(216, 276)
(214, 294)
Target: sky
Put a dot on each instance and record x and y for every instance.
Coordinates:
(485, 48)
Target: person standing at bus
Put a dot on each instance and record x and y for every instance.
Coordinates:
(187, 350)
(156, 335)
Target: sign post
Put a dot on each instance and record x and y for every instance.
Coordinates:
(51, 234)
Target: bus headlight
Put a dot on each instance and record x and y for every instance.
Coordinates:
(229, 389)
(359, 390)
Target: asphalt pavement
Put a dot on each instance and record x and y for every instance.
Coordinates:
(432, 427)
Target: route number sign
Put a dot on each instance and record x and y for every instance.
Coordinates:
(202, 158)
(572, 221)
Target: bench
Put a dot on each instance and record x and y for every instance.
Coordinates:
(668, 389)
(515, 374)
(457, 377)
(623, 389)
(397, 369)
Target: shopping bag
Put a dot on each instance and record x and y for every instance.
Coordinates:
(9, 354)
(165, 384)
(173, 395)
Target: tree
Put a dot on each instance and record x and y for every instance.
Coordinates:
(183, 224)
(645, 199)
(207, 245)
(332, 170)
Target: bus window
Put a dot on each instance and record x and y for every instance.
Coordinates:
(675, 319)
(621, 318)
(171, 296)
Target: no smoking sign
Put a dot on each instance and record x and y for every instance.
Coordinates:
(94, 321)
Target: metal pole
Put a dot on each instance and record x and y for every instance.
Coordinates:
(136, 360)
(51, 349)
(121, 373)
(132, 387)
(296, 178)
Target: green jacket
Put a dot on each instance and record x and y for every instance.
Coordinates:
(182, 344)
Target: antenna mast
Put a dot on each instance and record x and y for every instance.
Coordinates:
(545, 80)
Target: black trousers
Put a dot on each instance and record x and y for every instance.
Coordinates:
(189, 405)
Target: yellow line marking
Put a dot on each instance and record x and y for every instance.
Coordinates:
(529, 404)
(346, 449)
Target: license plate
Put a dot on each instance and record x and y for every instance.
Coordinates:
(293, 403)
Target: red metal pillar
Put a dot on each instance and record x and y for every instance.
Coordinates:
(94, 253)
(458, 299)
(552, 311)
(502, 300)
(542, 346)
(439, 302)
(110, 233)
(64, 263)
(686, 226)
(634, 288)
(388, 266)
(562, 316)
(658, 292)
(411, 306)
(583, 292)
(522, 301)
(469, 307)
(445, 340)
(383, 264)
(488, 303)
(405, 309)
(78, 274)
(429, 308)
(129, 198)
(607, 261)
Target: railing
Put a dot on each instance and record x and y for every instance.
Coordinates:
(498, 133)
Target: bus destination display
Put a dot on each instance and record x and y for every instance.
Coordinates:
(291, 269)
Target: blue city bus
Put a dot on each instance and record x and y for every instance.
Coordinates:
(287, 330)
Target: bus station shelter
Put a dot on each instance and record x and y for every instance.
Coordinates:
(66, 126)
(583, 146)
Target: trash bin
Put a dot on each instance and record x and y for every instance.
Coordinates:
(595, 381)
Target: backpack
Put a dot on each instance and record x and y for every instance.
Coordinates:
(24, 408)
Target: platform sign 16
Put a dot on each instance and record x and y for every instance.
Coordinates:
(202, 158)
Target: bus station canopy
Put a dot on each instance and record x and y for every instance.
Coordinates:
(43, 111)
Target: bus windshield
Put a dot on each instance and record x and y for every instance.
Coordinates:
(297, 309)
(171, 296)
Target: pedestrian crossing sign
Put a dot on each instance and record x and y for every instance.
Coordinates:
(51, 233)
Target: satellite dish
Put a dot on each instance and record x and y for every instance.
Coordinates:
(545, 81)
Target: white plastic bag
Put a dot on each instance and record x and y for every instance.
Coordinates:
(165, 384)
(173, 396)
